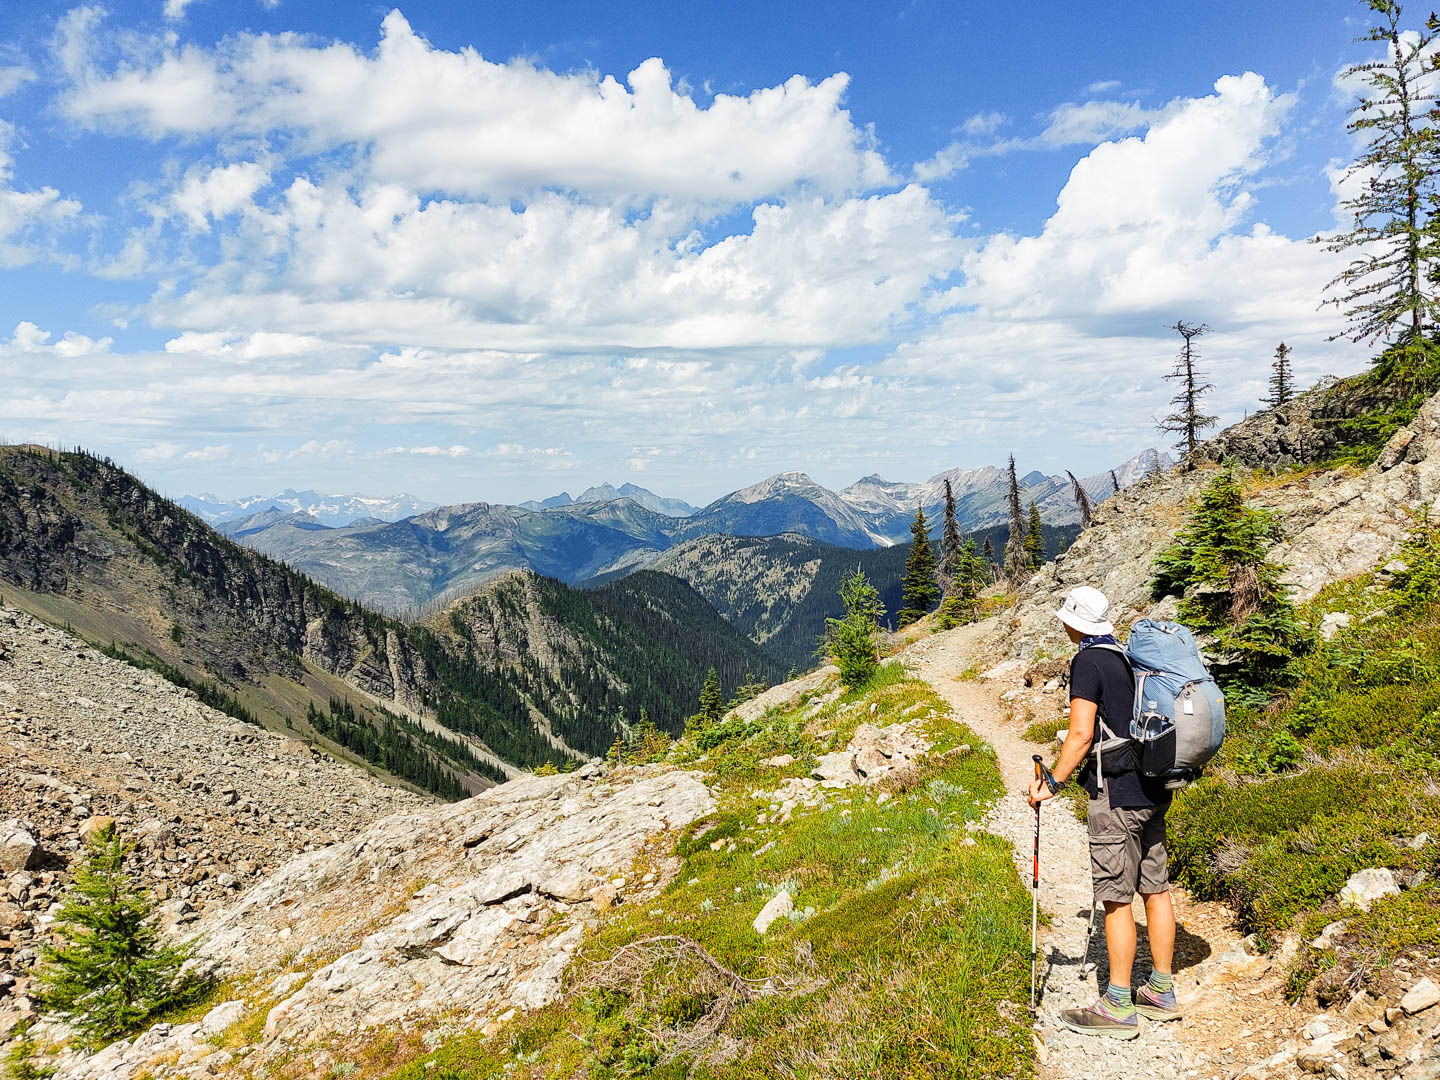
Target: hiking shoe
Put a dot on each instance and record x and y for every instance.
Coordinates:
(1097, 1020)
(1156, 1006)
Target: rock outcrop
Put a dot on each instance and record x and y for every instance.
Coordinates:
(1332, 525)
(473, 908)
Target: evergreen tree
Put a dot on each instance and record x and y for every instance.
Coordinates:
(918, 588)
(1082, 500)
(959, 606)
(1114, 482)
(1034, 539)
(1230, 589)
(1188, 420)
(851, 640)
(1389, 288)
(111, 969)
(989, 554)
(950, 541)
(712, 704)
(1281, 385)
(712, 707)
(1017, 560)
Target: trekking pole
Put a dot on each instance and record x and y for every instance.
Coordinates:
(1035, 891)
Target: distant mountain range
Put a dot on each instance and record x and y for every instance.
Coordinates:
(448, 551)
(779, 590)
(331, 510)
(609, 493)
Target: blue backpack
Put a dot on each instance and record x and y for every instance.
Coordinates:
(1179, 719)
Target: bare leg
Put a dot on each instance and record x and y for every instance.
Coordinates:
(1160, 921)
(1120, 941)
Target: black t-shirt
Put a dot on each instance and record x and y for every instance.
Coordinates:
(1102, 676)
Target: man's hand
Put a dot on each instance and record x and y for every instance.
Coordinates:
(1039, 792)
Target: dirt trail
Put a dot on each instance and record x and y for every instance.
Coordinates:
(1235, 1014)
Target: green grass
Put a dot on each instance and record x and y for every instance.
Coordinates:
(907, 956)
(1044, 731)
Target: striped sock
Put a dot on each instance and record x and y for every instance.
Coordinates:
(1118, 1003)
(1161, 983)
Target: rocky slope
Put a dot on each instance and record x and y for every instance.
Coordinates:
(460, 914)
(1333, 524)
(214, 803)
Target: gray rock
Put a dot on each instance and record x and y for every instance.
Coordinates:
(779, 907)
(19, 847)
(221, 1017)
(1423, 995)
(1333, 623)
(1367, 886)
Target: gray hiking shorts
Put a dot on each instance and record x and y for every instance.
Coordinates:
(1127, 851)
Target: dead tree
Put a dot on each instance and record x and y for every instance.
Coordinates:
(1188, 420)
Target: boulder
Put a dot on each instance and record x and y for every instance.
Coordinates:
(93, 826)
(870, 762)
(1367, 886)
(780, 906)
(836, 770)
(221, 1017)
(19, 847)
(1423, 995)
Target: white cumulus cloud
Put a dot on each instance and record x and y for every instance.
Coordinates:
(436, 120)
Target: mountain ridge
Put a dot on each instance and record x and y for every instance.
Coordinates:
(430, 558)
(85, 544)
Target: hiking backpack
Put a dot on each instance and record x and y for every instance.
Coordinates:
(1179, 719)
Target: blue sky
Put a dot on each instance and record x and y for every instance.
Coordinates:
(494, 252)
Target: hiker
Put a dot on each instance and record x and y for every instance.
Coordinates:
(1126, 819)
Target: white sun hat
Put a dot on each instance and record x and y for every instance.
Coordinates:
(1086, 609)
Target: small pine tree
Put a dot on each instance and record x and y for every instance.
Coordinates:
(989, 557)
(918, 588)
(950, 542)
(1281, 384)
(1034, 539)
(1230, 589)
(1017, 560)
(111, 970)
(851, 641)
(1188, 421)
(712, 704)
(1082, 500)
(959, 606)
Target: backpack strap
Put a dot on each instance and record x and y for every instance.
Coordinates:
(1114, 740)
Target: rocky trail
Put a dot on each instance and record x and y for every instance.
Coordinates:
(1237, 1022)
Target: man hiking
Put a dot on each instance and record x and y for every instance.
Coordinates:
(1127, 822)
